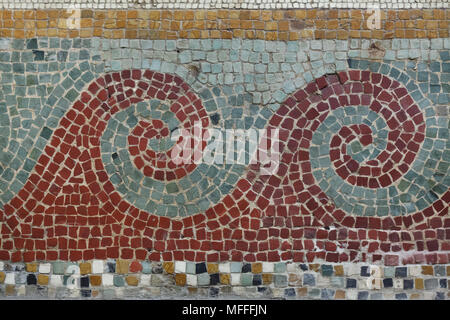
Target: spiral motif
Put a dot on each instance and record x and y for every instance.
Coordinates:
(348, 139)
(81, 189)
(143, 130)
(350, 147)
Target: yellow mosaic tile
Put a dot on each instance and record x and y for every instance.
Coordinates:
(132, 281)
(122, 266)
(225, 278)
(95, 280)
(213, 268)
(42, 279)
(85, 268)
(180, 279)
(257, 267)
(427, 270)
(31, 267)
(169, 267)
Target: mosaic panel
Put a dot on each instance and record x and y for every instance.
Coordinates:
(88, 180)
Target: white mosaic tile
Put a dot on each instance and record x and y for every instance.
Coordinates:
(352, 269)
(191, 280)
(389, 295)
(145, 280)
(21, 290)
(107, 280)
(120, 293)
(45, 268)
(362, 285)
(97, 266)
(180, 266)
(428, 295)
(415, 271)
(267, 267)
(238, 291)
(10, 278)
(224, 267)
(56, 280)
(235, 279)
(278, 293)
(74, 293)
(322, 281)
(352, 294)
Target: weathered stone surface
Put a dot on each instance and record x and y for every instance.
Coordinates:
(93, 204)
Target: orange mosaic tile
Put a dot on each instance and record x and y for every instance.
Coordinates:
(225, 24)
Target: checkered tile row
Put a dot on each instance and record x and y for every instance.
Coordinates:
(123, 278)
